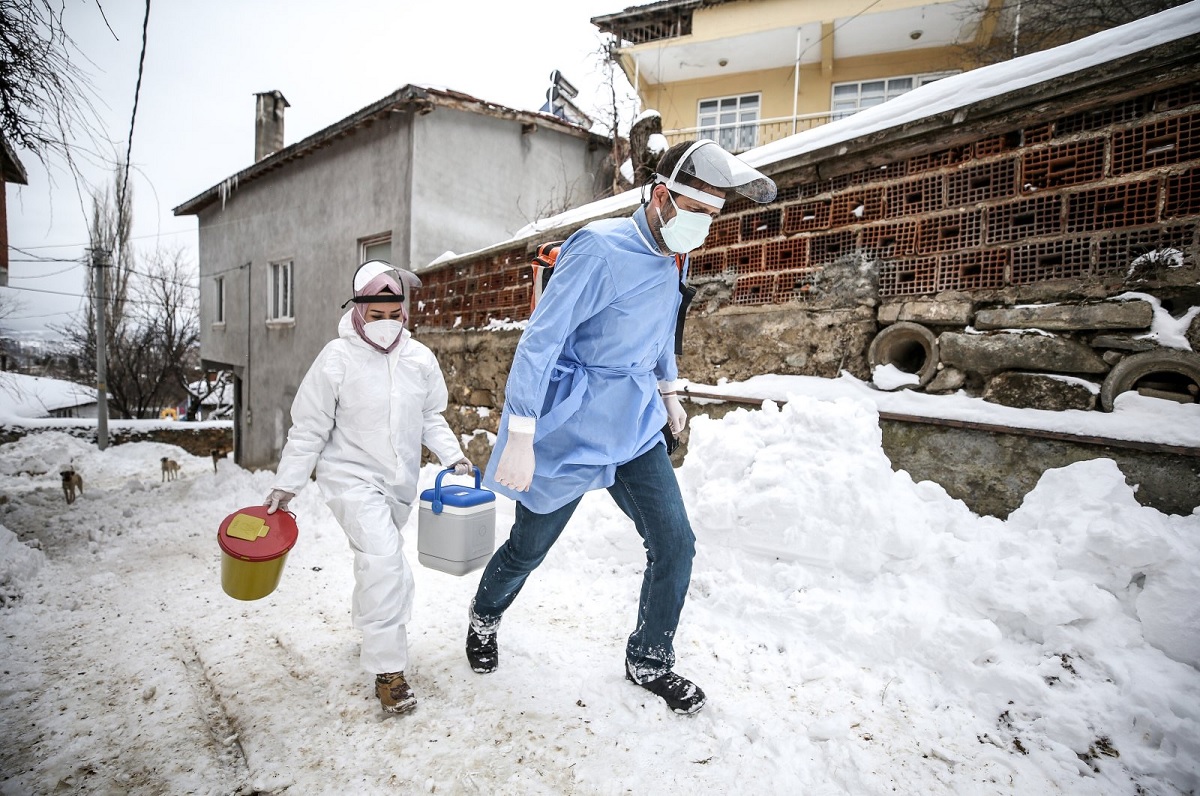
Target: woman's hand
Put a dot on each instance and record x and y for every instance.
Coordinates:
(278, 500)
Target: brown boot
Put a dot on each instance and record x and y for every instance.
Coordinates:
(394, 694)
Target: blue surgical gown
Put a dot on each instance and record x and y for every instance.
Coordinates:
(588, 364)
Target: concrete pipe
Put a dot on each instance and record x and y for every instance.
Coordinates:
(1163, 373)
(910, 347)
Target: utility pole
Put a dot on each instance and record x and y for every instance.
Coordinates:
(100, 282)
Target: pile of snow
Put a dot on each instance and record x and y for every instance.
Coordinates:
(18, 563)
(856, 632)
(889, 377)
(1134, 417)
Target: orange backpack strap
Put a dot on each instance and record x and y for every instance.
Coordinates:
(544, 258)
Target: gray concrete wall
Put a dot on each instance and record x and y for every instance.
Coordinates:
(314, 213)
(479, 179)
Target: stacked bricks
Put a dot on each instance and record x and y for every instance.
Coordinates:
(1071, 197)
(471, 295)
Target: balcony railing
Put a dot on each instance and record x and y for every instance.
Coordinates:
(741, 137)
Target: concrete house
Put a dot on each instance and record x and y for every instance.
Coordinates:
(406, 179)
(749, 72)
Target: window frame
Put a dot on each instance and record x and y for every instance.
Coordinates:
(219, 310)
(918, 79)
(275, 313)
(374, 240)
(738, 129)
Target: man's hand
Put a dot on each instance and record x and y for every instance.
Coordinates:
(463, 467)
(515, 470)
(278, 500)
(676, 416)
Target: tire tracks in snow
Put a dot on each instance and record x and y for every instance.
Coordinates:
(223, 733)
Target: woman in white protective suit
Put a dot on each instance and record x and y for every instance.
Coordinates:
(369, 401)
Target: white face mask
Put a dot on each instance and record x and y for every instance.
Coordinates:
(686, 231)
(383, 333)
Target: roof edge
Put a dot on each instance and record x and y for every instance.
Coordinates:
(421, 98)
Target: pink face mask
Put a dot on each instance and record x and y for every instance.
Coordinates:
(377, 336)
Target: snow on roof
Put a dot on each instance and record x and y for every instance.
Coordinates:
(947, 94)
(38, 396)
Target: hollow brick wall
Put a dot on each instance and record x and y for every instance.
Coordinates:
(1072, 199)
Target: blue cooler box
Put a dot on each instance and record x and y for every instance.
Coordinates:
(456, 528)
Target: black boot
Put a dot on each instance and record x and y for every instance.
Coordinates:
(680, 693)
(482, 653)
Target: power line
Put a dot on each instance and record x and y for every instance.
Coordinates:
(88, 243)
(137, 91)
(90, 297)
(42, 276)
(43, 315)
(832, 31)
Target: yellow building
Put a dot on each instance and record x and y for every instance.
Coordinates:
(747, 72)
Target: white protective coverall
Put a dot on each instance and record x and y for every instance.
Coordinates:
(360, 417)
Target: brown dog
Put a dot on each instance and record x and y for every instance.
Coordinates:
(71, 481)
(170, 469)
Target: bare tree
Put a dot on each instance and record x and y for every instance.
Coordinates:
(152, 313)
(1020, 27)
(45, 98)
(613, 113)
(147, 357)
(8, 306)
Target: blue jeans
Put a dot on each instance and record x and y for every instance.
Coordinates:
(646, 490)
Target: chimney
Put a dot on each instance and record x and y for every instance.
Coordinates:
(268, 123)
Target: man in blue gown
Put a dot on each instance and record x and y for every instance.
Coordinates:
(591, 386)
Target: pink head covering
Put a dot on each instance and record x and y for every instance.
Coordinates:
(384, 283)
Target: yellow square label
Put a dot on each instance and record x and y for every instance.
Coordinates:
(246, 527)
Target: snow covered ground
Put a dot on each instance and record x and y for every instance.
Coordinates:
(857, 633)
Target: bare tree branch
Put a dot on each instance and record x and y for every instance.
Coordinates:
(1033, 25)
(45, 98)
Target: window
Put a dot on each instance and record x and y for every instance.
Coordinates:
(378, 247)
(850, 98)
(219, 310)
(279, 292)
(731, 121)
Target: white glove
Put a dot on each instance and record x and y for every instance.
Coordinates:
(463, 467)
(676, 416)
(516, 463)
(278, 500)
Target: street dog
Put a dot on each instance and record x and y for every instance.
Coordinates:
(170, 469)
(217, 455)
(71, 481)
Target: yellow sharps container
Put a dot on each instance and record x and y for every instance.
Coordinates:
(254, 548)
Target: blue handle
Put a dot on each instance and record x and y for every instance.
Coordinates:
(437, 487)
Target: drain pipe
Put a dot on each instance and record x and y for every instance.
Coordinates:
(796, 89)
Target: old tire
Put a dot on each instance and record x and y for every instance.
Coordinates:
(910, 347)
(1175, 368)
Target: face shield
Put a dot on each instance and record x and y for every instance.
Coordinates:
(376, 281)
(707, 162)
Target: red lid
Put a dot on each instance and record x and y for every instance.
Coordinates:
(253, 535)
